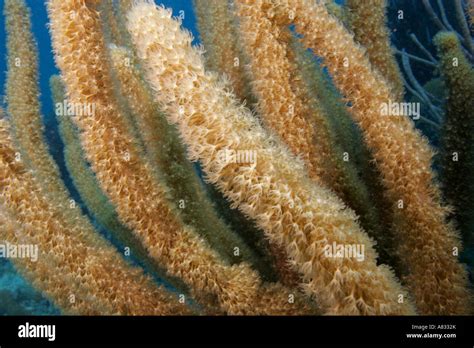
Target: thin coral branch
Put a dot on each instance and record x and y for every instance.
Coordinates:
(423, 49)
(458, 128)
(416, 58)
(420, 90)
(219, 34)
(368, 22)
(434, 17)
(444, 18)
(461, 18)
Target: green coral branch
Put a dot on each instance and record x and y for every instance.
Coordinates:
(349, 157)
(95, 200)
(457, 155)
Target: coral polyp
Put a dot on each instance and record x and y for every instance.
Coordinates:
(288, 165)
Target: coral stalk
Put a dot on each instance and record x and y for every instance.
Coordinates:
(287, 108)
(282, 111)
(24, 110)
(167, 154)
(458, 130)
(274, 191)
(219, 34)
(368, 21)
(111, 22)
(95, 200)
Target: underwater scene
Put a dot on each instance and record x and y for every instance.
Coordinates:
(236, 157)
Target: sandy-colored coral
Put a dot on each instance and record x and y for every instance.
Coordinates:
(368, 21)
(337, 10)
(280, 108)
(22, 95)
(219, 34)
(287, 108)
(470, 13)
(127, 179)
(111, 22)
(351, 174)
(426, 243)
(303, 217)
(24, 109)
(81, 275)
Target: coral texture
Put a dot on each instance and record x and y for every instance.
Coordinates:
(404, 159)
(92, 195)
(90, 277)
(284, 165)
(128, 180)
(457, 154)
(274, 191)
(218, 32)
(167, 154)
(368, 22)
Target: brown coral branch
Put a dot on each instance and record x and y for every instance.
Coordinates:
(368, 22)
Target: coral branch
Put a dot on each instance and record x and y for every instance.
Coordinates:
(281, 110)
(420, 91)
(368, 22)
(434, 17)
(348, 154)
(221, 40)
(423, 48)
(95, 200)
(24, 110)
(111, 23)
(461, 18)
(286, 108)
(458, 129)
(167, 154)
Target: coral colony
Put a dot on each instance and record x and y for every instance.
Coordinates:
(277, 169)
